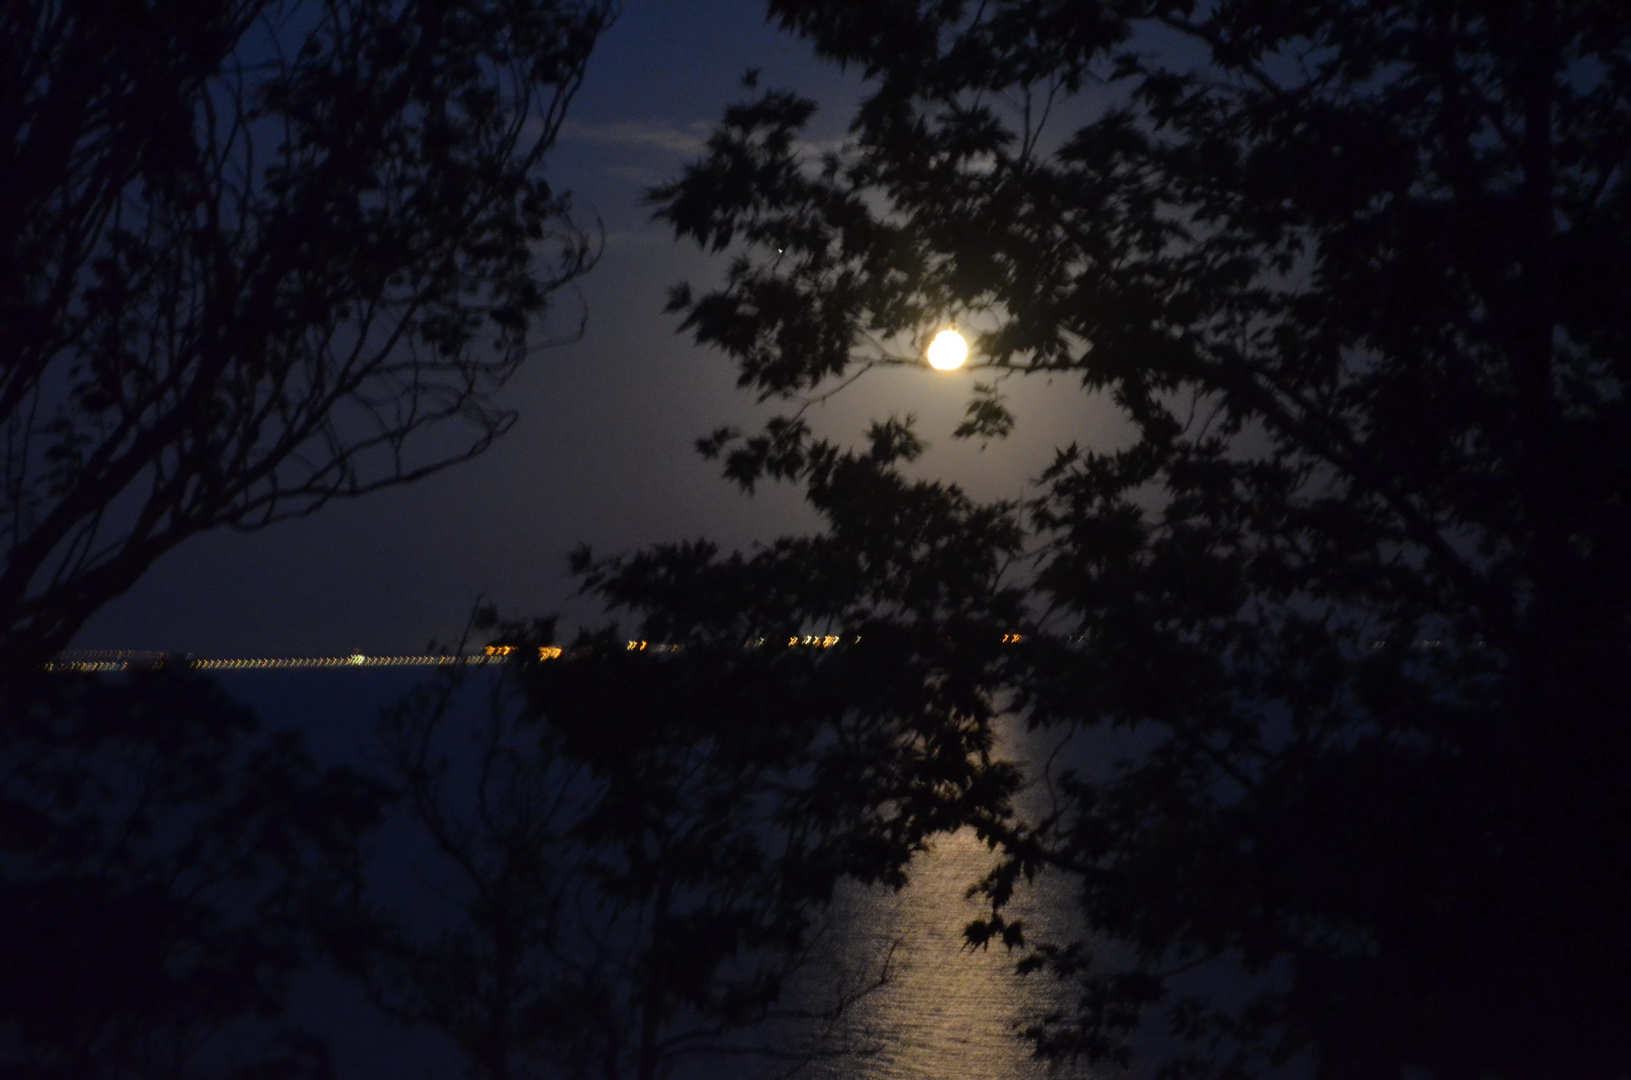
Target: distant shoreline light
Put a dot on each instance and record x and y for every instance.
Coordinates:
(123, 660)
(100, 660)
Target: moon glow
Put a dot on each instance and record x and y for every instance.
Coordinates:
(947, 351)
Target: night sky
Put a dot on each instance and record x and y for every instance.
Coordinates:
(602, 453)
(1298, 778)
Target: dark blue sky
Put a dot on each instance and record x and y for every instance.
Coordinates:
(602, 452)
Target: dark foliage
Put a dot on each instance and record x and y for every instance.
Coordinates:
(1355, 273)
(256, 255)
(643, 840)
(161, 863)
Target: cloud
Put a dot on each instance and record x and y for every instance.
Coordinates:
(688, 139)
(641, 174)
(620, 239)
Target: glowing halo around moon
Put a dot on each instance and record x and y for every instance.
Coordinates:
(947, 351)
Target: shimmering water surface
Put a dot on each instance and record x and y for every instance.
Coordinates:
(944, 1011)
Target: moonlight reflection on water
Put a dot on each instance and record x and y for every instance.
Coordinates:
(945, 1011)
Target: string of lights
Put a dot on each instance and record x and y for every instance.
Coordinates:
(108, 660)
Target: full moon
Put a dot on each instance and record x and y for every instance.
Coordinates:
(947, 351)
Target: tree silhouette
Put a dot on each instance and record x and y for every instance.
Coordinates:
(257, 255)
(1355, 274)
(640, 846)
(162, 863)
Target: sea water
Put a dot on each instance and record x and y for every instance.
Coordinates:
(939, 1010)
